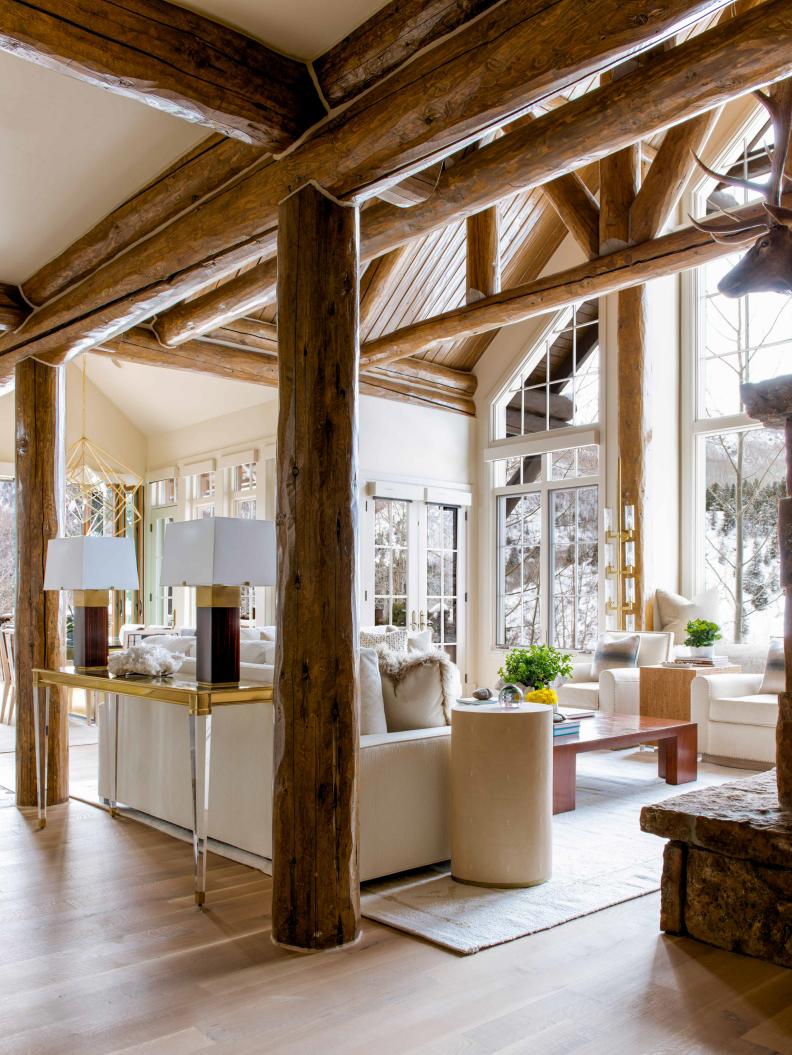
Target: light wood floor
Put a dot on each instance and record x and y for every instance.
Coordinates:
(103, 952)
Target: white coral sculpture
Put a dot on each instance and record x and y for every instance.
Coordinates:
(145, 659)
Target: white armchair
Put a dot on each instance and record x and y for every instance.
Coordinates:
(616, 691)
(735, 721)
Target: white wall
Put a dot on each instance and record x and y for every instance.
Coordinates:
(104, 424)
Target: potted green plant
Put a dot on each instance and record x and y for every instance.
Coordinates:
(701, 637)
(534, 669)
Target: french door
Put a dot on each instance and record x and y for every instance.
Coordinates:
(159, 599)
(414, 569)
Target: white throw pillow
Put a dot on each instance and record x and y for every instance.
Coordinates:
(420, 640)
(395, 639)
(774, 680)
(172, 643)
(268, 633)
(419, 688)
(615, 651)
(256, 652)
(676, 611)
(249, 633)
(372, 702)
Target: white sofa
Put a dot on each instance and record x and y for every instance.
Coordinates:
(404, 779)
(735, 721)
(616, 691)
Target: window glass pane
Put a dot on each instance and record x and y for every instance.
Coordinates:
(390, 562)
(744, 478)
(558, 386)
(162, 492)
(441, 573)
(243, 477)
(519, 519)
(7, 546)
(575, 602)
(245, 508)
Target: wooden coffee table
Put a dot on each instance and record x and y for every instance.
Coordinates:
(677, 742)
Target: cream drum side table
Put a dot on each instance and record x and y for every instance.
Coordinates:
(501, 794)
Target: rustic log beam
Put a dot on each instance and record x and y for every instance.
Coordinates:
(379, 283)
(210, 165)
(483, 267)
(216, 358)
(619, 182)
(248, 291)
(383, 42)
(669, 172)
(315, 880)
(453, 92)
(675, 86)
(677, 251)
(37, 641)
(12, 308)
(578, 209)
(172, 59)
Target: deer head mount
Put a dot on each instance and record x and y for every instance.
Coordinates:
(767, 266)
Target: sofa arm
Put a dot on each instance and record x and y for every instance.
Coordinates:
(619, 690)
(725, 686)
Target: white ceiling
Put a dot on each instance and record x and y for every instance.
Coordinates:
(69, 154)
(303, 28)
(156, 400)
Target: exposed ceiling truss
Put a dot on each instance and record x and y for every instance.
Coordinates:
(184, 275)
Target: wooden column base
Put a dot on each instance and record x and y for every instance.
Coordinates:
(217, 635)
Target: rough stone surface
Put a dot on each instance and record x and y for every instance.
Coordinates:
(739, 906)
(741, 820)
(672, 889)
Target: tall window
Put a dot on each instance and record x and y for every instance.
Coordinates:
(7, 549)
(739, 468)
(558, 385)
(548, 556)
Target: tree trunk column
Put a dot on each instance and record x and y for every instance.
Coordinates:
(37, 641)
(316, 890)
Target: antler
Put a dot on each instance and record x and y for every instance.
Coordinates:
(778, 103)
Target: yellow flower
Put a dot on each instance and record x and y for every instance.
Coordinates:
(547, 696)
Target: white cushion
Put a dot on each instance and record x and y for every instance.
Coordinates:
(676, 611)
(654, 648)
(615, 650)
(372, 702)
(395, 638)
(249, 633)
(172, 643)
(774, 680)
(419, 640)
(256, 651)
(268, 633)
(583, 694)
(415, 701)
(745, 710)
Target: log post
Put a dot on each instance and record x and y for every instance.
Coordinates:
(316, 890)
(619, 181)
(37, 642)
(483, 254)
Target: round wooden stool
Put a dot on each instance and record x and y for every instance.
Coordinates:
(502, 794)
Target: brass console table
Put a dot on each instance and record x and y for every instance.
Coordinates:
(198, 701)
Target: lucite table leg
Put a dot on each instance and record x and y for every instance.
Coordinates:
(41, 752)
(200, 760)
(112, 713)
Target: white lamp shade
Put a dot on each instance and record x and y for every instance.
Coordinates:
(91, 562)
(219, 551)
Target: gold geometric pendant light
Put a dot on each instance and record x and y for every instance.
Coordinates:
(97, 485)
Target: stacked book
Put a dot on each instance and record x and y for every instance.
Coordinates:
(690, 661)
(567, 727)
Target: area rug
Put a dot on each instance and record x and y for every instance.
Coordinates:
(600, 858)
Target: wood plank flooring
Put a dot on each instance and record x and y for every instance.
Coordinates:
(103, 953)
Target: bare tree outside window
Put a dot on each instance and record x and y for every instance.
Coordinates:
(7, 547)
